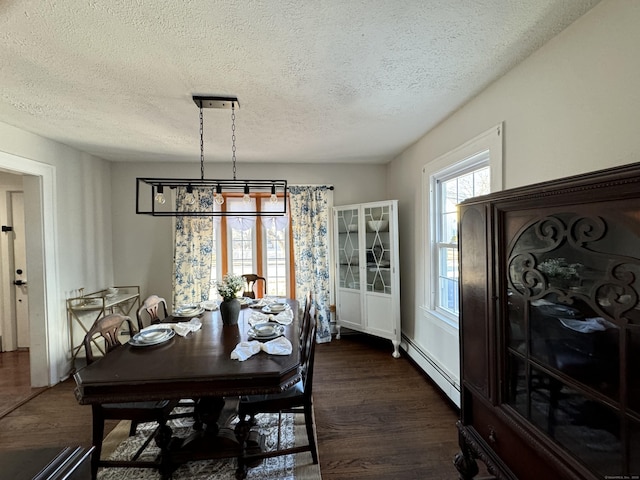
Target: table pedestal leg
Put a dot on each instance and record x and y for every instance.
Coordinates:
(212, 441)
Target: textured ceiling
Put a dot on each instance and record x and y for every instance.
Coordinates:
(318, 81)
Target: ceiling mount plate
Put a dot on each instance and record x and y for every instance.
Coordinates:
(215, 102)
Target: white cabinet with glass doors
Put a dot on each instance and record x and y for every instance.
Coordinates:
(367, 274)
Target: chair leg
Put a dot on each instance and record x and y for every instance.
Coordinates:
(308, 420)
(133, 428)
(98, 432)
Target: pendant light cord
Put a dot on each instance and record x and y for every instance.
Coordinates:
(201, 145)
(233, 137)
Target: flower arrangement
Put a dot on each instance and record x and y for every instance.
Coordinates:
(559, 268)
(230, 285)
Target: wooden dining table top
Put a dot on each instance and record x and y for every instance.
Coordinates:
(197, 365)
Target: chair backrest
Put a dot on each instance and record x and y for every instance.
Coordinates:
(306, 315)
(108, 327)
(251, 282)
(308, 357)
(153, 309)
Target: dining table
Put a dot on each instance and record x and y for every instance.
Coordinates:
(197, 366)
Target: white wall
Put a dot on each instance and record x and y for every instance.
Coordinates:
(570, 108)
(78, 246)
(143, 245)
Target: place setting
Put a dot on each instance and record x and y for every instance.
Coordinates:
(265, 331)
(277, 312)
(150, 336)
(278, 346)
(189, 310)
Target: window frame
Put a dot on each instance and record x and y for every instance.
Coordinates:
(485, 149)
(224, 244)
(287, 252)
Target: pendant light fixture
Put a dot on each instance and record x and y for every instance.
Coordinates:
(205, 197)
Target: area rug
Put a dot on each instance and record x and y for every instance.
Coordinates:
(300, 466)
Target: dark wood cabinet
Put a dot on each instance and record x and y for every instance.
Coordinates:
(51, 463)
(550, 329)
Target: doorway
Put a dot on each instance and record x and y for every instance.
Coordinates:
(14, 330)
(47, 350)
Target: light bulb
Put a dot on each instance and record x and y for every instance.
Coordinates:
(246, 198)
(218, 198)
(273, 198)
(160, 195)
(190, 198)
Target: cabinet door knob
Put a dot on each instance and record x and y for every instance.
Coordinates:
(492, 435)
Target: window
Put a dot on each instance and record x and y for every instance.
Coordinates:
(241, 233)
(449, 191)
(468, 171)
(276, 247)
(253, 245)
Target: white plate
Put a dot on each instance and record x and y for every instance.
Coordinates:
(150, 337)
(245, 300)
(258, 335)
(268, 309)
(264, 329)
(189, 311)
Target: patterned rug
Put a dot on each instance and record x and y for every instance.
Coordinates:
(287, 467)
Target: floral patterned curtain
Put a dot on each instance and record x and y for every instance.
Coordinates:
(310, 213)
(193, 250)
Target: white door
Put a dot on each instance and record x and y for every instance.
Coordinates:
(19, 273)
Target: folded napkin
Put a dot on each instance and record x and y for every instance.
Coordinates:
(283, 318)
(184, 328)
(277, 346)
(245, 349)
(588, 325)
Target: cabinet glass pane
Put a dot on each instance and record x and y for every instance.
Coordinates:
(634, 446)
(348, 249)
(378, 249)
(518, 394)
(516, 328)
(572, 304)
(587, 428)
(633, 377)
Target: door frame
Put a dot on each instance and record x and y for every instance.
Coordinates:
(47, 317)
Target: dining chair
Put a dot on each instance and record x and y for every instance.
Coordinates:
(252, 281)
(306, 318)
(153, 310)
(297, 399)
(109, 328)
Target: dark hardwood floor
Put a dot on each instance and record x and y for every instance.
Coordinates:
(377, 417)
(15, 385)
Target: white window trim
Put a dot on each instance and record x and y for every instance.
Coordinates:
(288, 258)
(488, 141)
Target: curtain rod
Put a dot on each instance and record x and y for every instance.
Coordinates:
(330, 187)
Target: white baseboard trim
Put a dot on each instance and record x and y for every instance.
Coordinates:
(440, 377)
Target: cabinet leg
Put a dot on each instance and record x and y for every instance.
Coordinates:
(466, 465)
(338, 332)
(396, 348)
